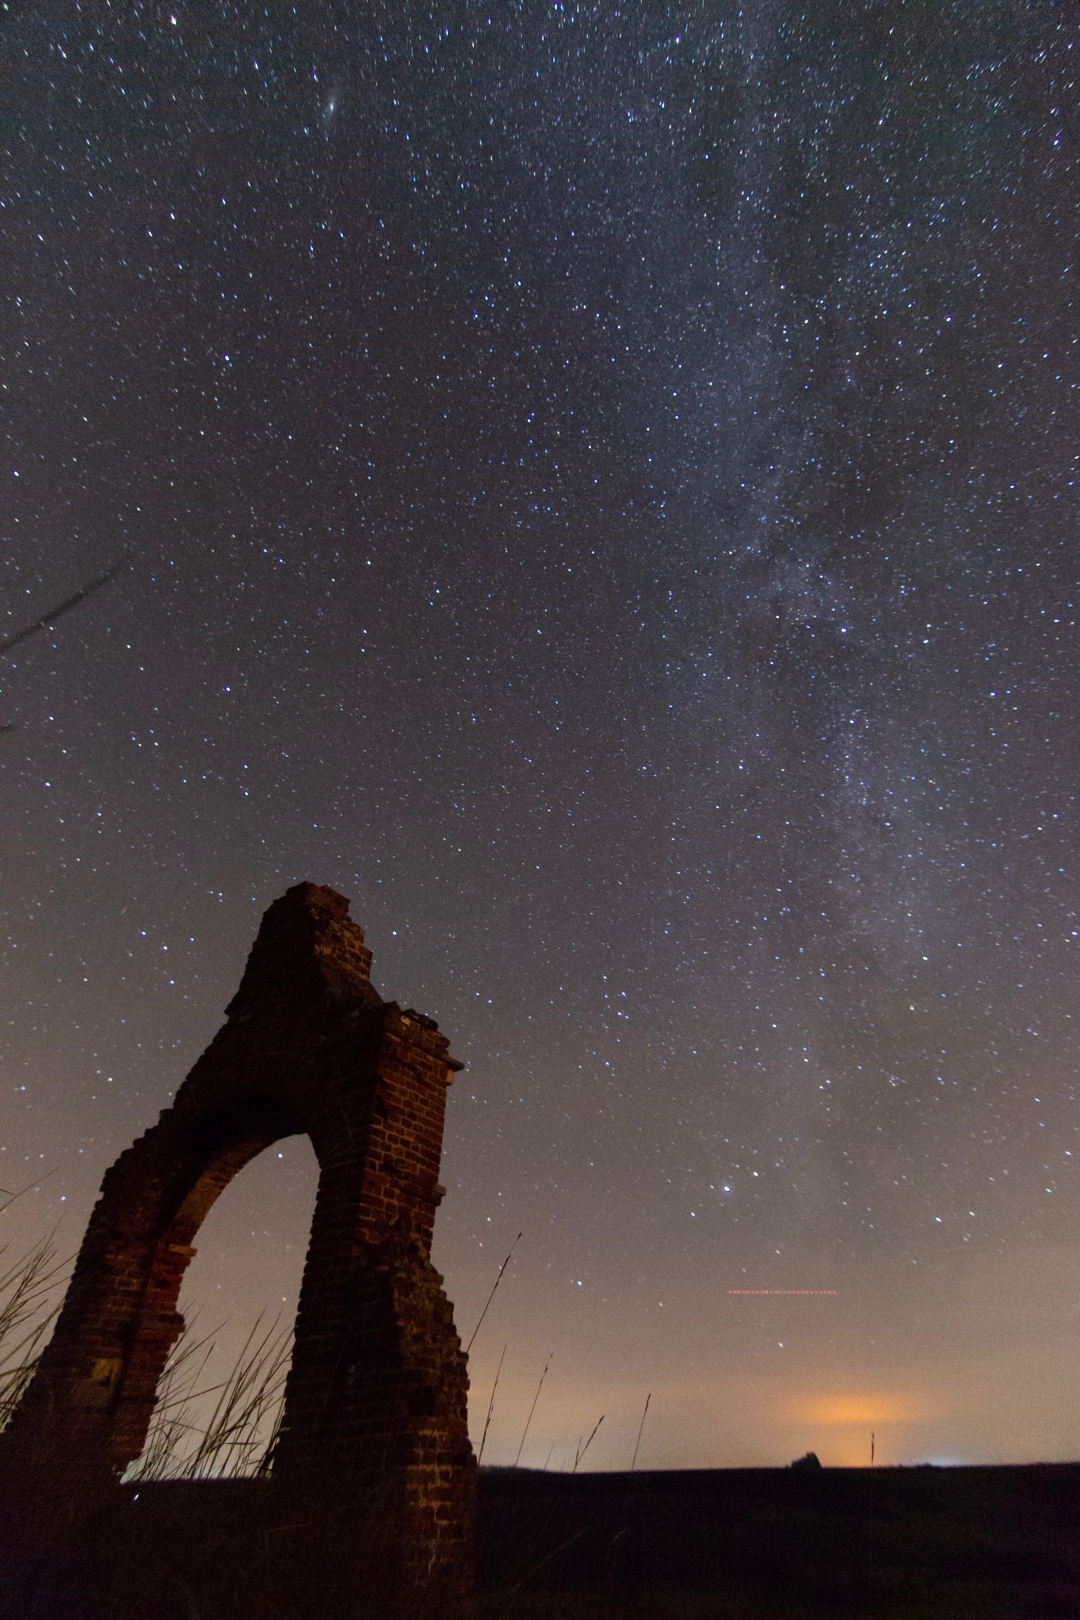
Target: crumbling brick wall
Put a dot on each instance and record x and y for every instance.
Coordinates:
(373, 1448)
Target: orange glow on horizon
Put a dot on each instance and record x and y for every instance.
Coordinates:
(862, 1409)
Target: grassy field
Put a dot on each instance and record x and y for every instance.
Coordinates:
(741, 1544)
(994, 1543)
(773, 1544)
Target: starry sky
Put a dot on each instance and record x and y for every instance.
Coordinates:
(596, 485)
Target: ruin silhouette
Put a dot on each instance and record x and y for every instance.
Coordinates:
(372, 1468)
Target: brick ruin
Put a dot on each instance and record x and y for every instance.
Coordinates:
(373, 1469)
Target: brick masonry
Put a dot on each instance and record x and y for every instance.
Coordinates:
(374, 1448)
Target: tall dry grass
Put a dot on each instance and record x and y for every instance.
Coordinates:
(200, 1430)
(233, 1438)
(30, 1297)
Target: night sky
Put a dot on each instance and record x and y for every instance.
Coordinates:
(594, 484)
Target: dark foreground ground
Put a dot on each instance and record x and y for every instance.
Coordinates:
(733, 1544)
(773, 1544)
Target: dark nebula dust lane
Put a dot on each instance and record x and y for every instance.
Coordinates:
(596, 485)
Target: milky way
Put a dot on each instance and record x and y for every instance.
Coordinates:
(596, 487)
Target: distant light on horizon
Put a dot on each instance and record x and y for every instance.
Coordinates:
(863, 1409)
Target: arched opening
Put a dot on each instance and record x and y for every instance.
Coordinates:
(220, 1397)
(373, 1471)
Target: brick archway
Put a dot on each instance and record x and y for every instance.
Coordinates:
(375, 1417)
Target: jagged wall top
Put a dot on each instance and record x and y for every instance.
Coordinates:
(307, 942)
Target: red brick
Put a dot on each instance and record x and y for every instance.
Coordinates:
(377, 1393)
